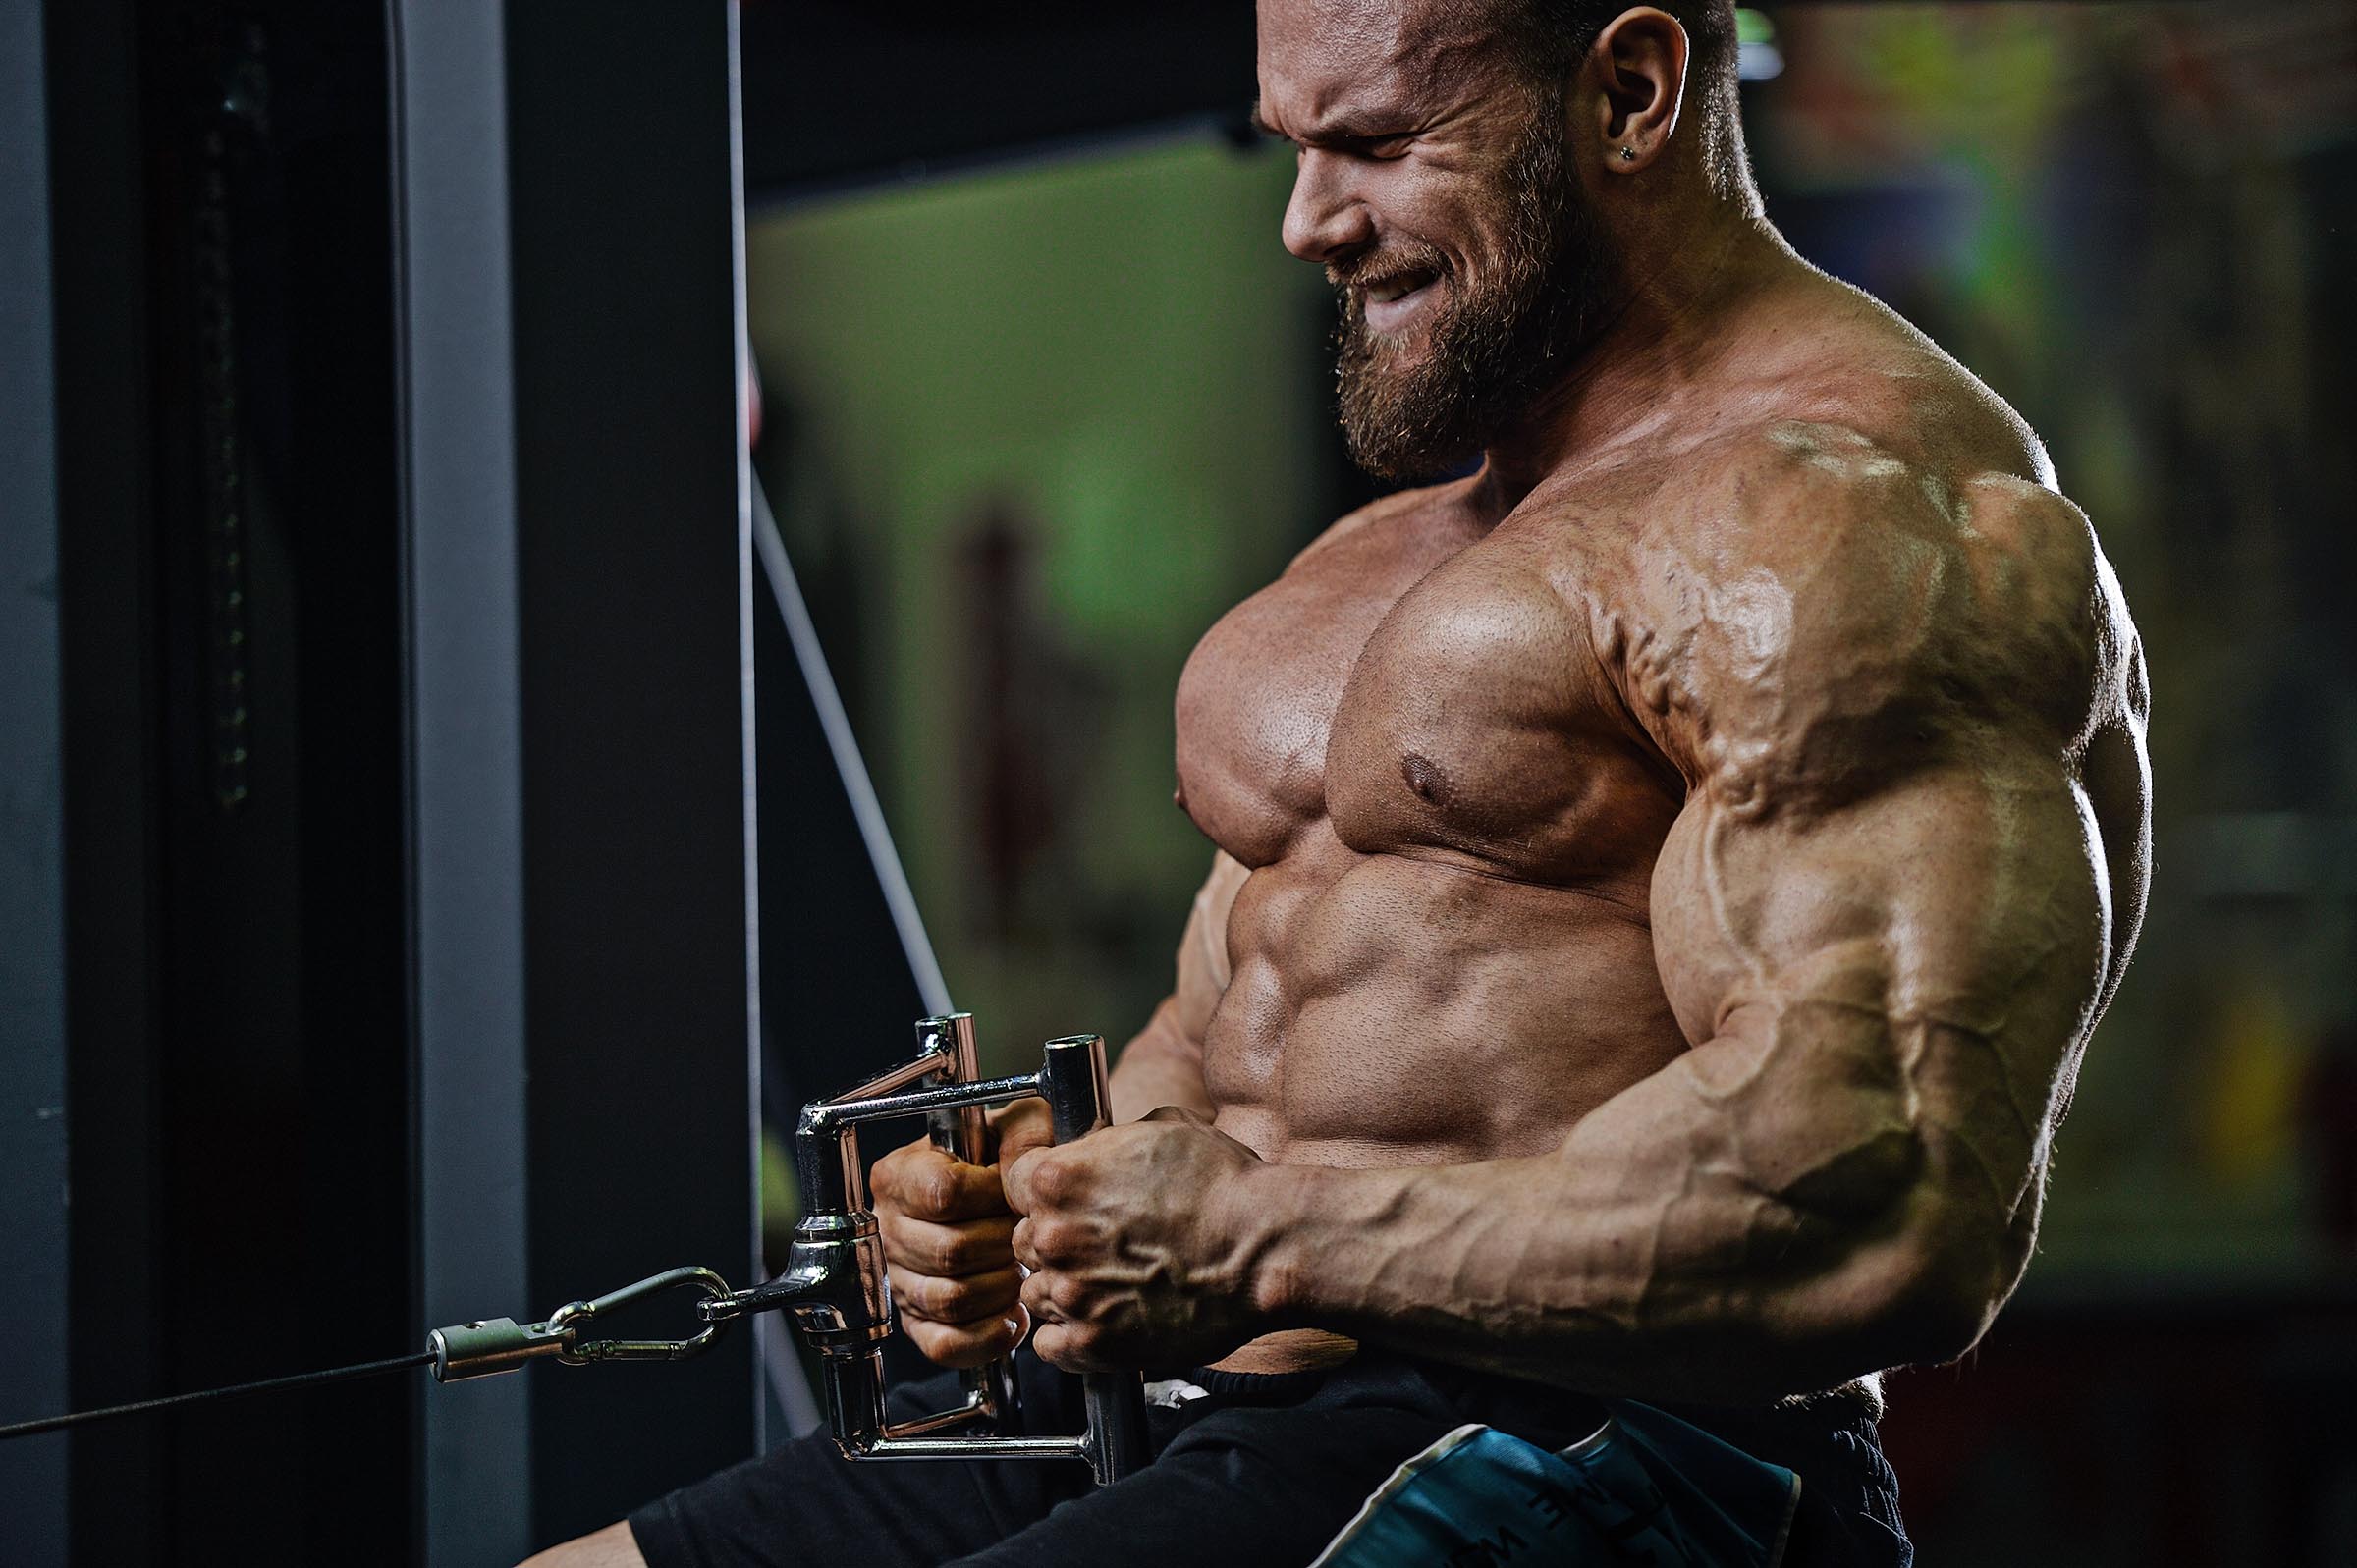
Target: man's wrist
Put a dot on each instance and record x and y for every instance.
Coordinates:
(1271, 1218)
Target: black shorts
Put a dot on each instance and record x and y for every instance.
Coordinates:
(1261, 1474)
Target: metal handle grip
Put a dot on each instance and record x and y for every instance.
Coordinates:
(965, 1131)
(836, 1284)
(1075, 1083)
(963, 1134)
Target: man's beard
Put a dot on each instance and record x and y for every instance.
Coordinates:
(1495, 346)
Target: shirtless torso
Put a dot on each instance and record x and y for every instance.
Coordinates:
(1442, 756)
(1666, 879)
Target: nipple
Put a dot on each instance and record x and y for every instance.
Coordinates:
(1425, 778)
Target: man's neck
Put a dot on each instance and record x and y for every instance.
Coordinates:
(1668, 326)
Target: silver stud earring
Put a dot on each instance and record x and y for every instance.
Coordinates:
(1628, 155)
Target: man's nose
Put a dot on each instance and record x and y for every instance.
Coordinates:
(1324, 221)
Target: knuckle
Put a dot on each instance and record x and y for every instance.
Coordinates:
(957, 1254)
(950, 1300)
(907, 1293)
(1055, 1239)
(889, 1172)
(1055, 1180)
(935, 1192)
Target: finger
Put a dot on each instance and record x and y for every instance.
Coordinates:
(967, 1344)
(969, 1247)
(1038, 1299)
(1025, 1127)
(1025, 1245)
(956, 1301)
(925, 1182)
(1071, 1346)
(1038, 1177)
(896, 1168)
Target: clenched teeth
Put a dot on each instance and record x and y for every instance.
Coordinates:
(1397, 287)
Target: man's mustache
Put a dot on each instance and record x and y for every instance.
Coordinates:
(1377, 268)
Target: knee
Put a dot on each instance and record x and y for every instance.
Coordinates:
(611, 1547)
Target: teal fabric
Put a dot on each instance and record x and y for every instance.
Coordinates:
(1647, 1488)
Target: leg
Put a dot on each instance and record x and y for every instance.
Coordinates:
(1244, 1484)
(806, 1504)
(1260, 1476)
(1267, 1485)
(609, 1548)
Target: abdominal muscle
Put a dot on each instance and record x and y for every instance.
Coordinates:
(1403, 1009)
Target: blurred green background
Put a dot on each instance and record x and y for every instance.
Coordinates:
(1031, 429)
(1027, 434)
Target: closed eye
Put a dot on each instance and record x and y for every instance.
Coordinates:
(1342, 138)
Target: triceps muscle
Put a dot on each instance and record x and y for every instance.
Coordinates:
(1885, 1000)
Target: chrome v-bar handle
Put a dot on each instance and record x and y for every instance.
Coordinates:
(835, 1287)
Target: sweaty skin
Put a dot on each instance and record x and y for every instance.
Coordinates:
(1670, 876)
(1692, 889)
(1683, 900)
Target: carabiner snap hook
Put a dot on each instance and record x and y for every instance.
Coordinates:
(569, 1319)
(501, 1344)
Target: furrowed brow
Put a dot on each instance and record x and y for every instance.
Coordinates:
(1346, 128)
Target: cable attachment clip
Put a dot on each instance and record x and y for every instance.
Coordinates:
(493, 1345)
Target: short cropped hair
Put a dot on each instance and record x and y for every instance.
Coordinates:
(1550, 37)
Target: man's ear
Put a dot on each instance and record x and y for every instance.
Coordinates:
(1639, 61)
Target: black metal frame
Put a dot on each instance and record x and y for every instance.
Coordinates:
(487, 838)
(233, 954)
(434, 998)
(632, 560)
(36, 1310)
(465, 804)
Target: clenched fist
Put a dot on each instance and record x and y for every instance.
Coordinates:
(947, 1232)
(1141, 1243)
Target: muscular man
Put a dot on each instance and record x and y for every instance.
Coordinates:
(1665, 877)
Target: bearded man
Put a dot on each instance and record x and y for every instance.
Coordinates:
(1667, 876)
